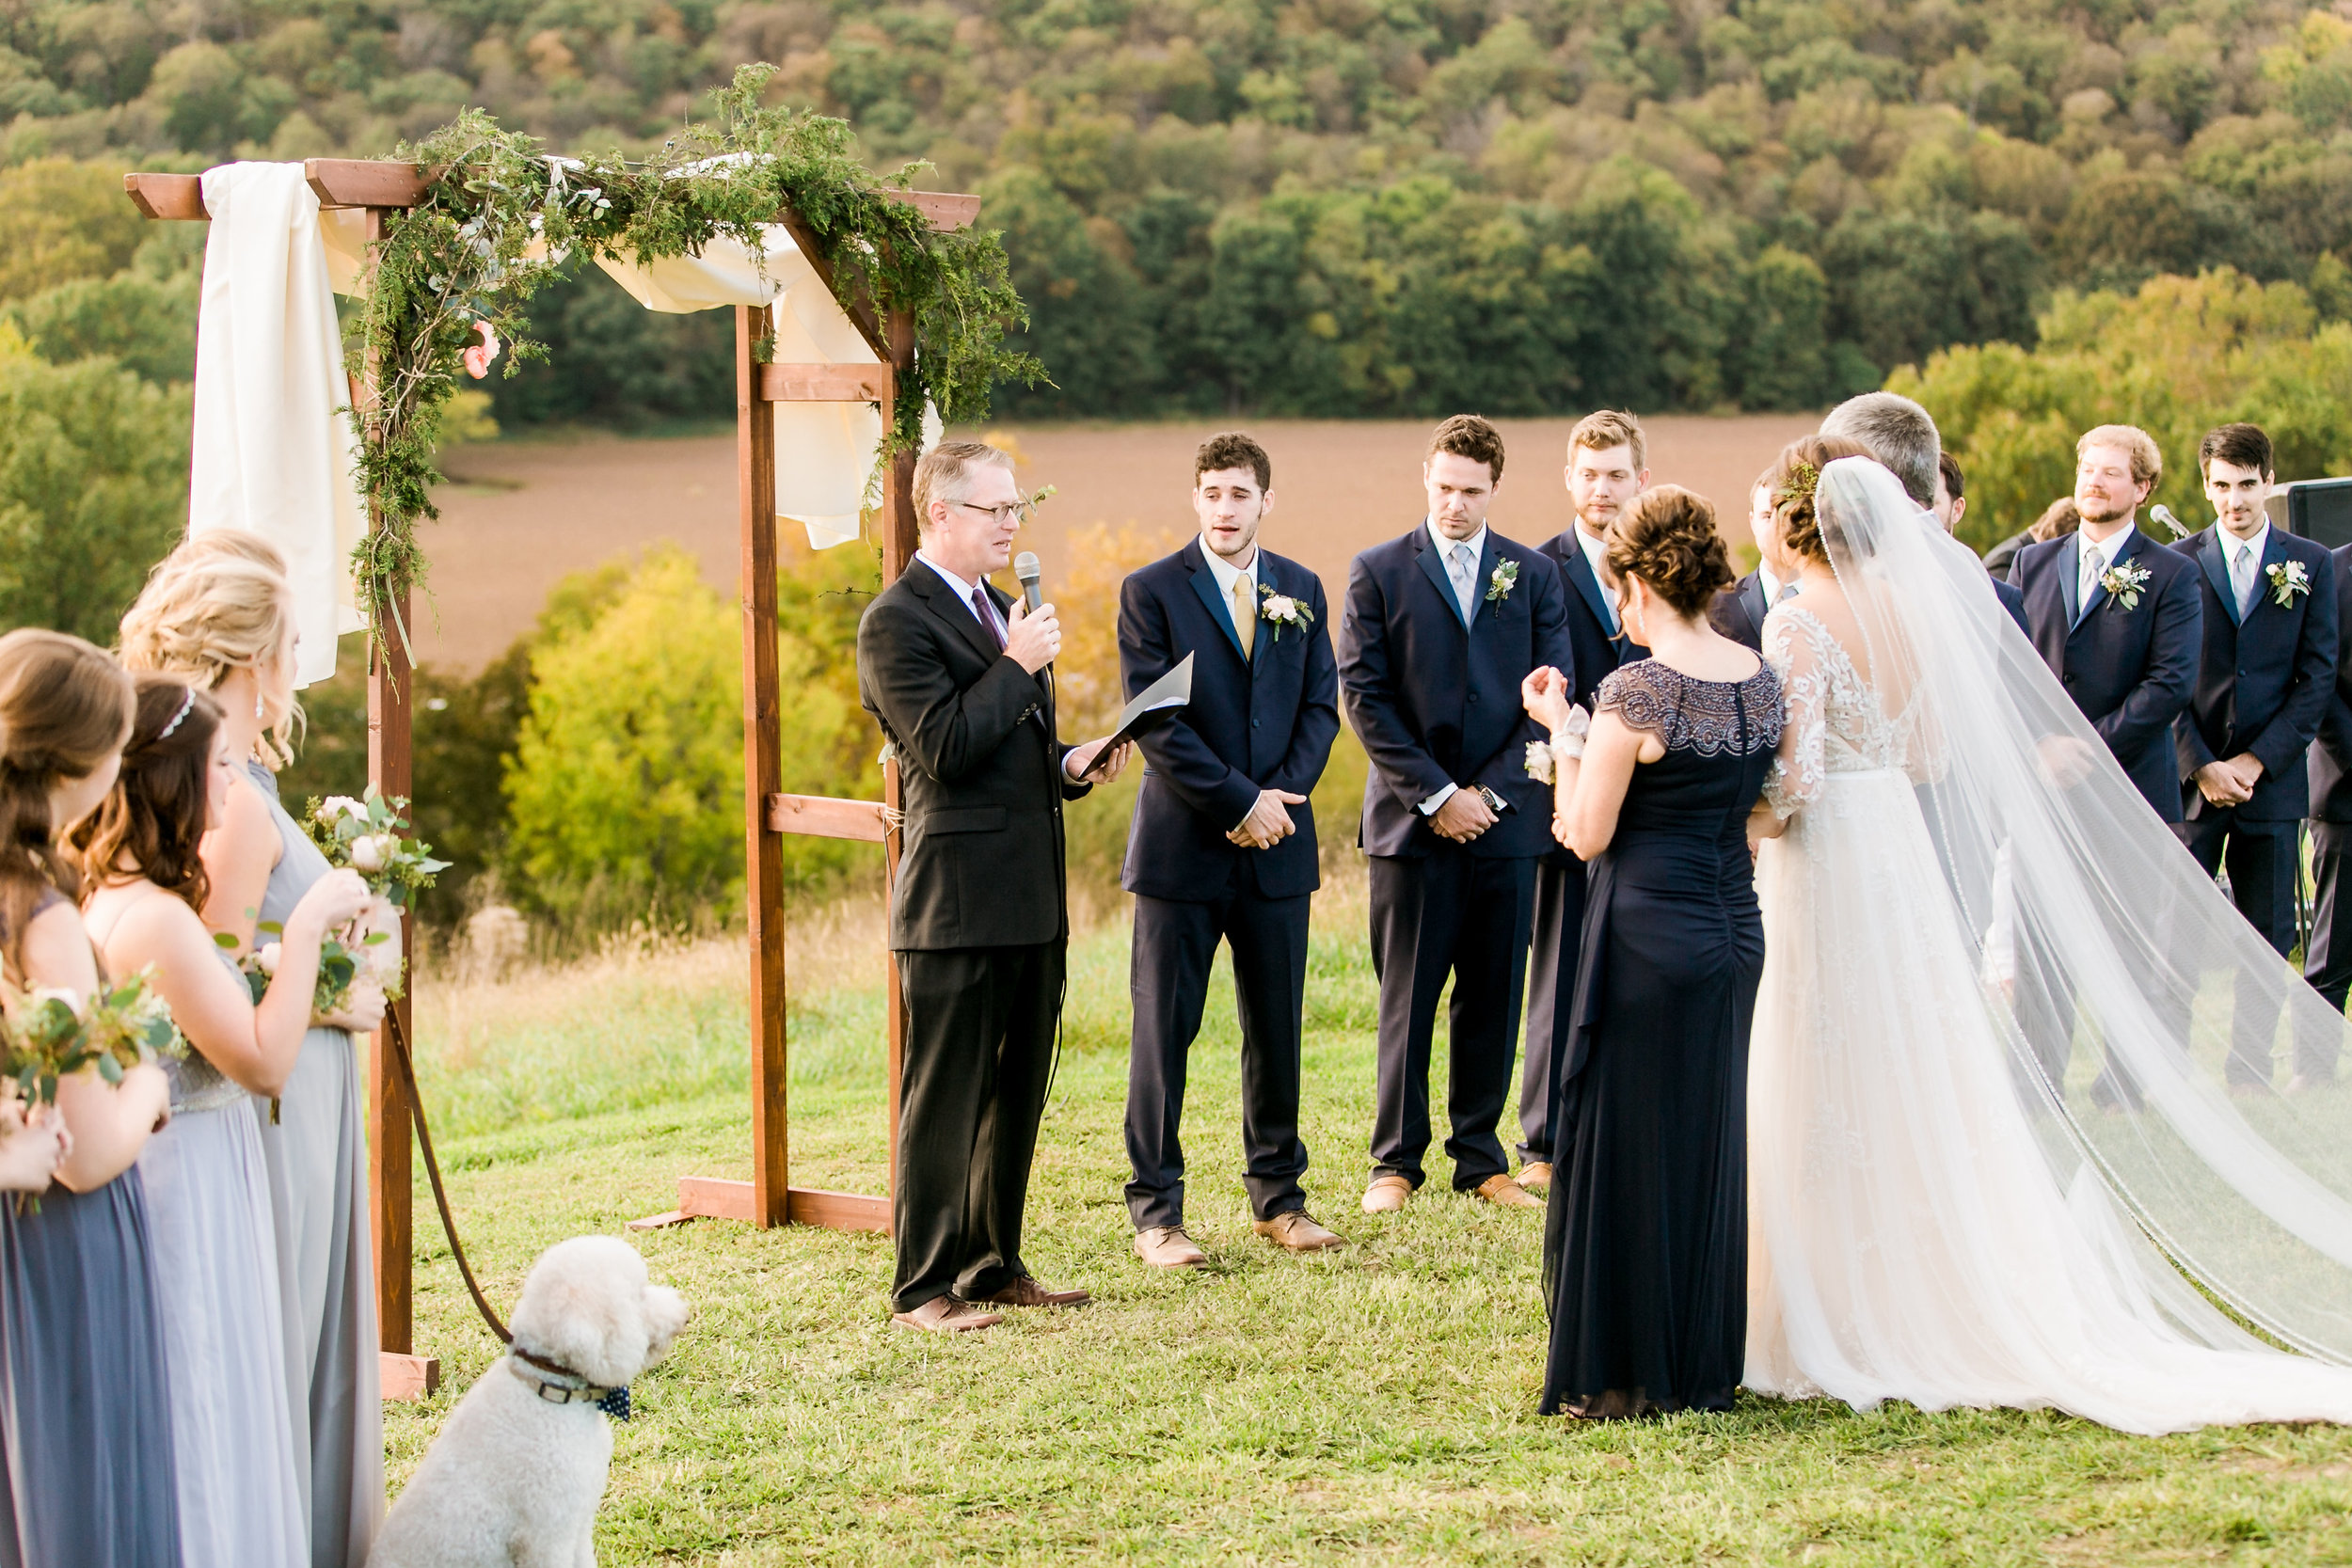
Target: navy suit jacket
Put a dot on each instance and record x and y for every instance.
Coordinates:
(2331, 753)
(1597, 652)
(2015, 602)
(1262, 723)
(2130, 671)
(1435, 701)
(2265, 682)
(1740, 610)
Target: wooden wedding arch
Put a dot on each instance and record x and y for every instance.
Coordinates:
(769, 814)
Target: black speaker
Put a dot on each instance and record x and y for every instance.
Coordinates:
(2319, 510)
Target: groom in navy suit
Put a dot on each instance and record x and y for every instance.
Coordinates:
(1222, 846)
(1608, 467)
(1442, 626)
(2262, 686)
(2119, 621)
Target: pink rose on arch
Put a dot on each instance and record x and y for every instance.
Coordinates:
(479, 357)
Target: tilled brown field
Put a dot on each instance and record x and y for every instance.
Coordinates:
(519, 516)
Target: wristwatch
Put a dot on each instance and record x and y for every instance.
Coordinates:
(1495, 802)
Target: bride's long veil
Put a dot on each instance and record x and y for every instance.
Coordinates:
(2112, 965)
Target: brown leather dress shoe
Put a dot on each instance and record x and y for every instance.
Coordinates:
(1387, 1195)
(1027, 1291)
(946, 1315)
(1535, 1175)
(1506, 1194)
(1166, 1246)
(1297, 1232)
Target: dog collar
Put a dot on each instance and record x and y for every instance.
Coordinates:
(559, 1385)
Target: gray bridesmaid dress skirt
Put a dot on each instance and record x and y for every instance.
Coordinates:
(84, 1406)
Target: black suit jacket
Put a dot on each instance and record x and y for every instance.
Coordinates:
(1263, 724)
(1436, 702)
(2262, 684)
(2331, 766)
(2130, 671)
(980, 771)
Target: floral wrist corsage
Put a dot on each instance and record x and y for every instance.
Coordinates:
(1566, 745)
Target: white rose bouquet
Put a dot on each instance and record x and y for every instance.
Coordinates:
(365, 835)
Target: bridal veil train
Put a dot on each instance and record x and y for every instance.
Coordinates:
(1940, 1211)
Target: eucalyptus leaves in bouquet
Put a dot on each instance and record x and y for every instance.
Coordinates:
(365, 835)
(339, 966)
(50, 1033)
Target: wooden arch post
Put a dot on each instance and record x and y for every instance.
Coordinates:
(382, 188)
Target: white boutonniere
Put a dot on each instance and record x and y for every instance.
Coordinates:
(2123, 583)
(1505, 577)
(1279, 610)
(2287, 579)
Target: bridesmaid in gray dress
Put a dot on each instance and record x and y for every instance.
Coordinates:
(218, 612)
(86, 1461)
(241, 1501)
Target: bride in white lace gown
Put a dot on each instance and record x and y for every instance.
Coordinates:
(1931, 1219)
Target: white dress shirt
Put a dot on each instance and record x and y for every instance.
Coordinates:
(1597, 557)
(2087, 551)
(1465, 594)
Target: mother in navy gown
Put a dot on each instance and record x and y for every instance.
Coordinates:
(1645, 1243)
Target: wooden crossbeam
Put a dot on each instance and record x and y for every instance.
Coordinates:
(713, 1198)
(825, 383)
(824, 817)
(378, 183)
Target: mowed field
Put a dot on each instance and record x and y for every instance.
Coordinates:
(519, 516)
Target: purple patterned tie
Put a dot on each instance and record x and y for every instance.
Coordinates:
(982, 608)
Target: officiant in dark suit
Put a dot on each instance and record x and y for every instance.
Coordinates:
(950, 669)
(2264, 682)
(1440, 627)
(2119, 621)
(1607, 465)
(1222, 845)
(1739, 610)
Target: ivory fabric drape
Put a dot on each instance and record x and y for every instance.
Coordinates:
(274, 450)
(824, 451)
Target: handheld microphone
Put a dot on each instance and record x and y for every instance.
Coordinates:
(1025, 566)
(2163, 514)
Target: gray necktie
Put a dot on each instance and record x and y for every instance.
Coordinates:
(1788, 592)
(2243, 579)
(2094, 567)
(1463, 569)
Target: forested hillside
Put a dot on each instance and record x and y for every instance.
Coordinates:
(1351, 206)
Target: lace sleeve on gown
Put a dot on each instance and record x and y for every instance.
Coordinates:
(1797, 773)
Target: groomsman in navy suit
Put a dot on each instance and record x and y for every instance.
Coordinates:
(1440, 627)
(1901, 434)
(1739, 610)
(2327, 960)
(2262, 686)
(2116, 616)
(2119, 621)
(1222, 846)
(1608, 458)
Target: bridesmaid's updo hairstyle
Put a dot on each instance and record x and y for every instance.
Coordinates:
(1667, 538)
(153, 821)
(64, 709)
(219, 602)
(1794, 478)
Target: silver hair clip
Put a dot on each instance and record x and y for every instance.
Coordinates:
(185, 704)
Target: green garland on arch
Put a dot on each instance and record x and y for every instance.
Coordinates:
(500, 216)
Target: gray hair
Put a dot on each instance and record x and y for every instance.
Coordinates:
(1895, 431)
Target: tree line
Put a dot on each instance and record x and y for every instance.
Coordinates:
(1336, 207)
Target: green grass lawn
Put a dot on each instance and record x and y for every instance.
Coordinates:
(1374, 1404)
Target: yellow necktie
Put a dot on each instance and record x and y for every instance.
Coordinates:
(1244, 616)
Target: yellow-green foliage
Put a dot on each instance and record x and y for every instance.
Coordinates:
(2176, 358)
(625, 790)
(60, 221)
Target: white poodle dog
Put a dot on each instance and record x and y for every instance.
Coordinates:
(516, 1475)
